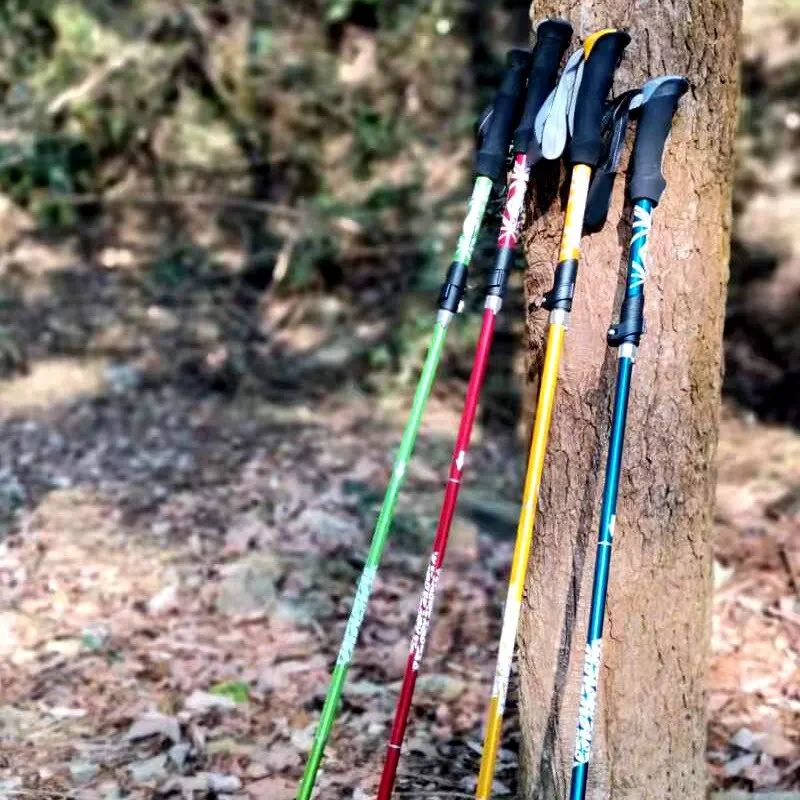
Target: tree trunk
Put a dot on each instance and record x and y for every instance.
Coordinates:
(650, 725)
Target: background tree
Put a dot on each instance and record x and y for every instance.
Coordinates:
(650, 728)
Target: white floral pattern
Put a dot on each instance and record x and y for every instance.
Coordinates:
(515, 202)
(642, 220)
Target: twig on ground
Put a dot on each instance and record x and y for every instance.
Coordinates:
(96, 78)
(789, 567)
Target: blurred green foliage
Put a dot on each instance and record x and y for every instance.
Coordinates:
(238, 691)
(342, 129)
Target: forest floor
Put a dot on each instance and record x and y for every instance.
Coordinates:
(179, 564)
(180, 538)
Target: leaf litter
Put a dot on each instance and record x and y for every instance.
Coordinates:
(122, 669)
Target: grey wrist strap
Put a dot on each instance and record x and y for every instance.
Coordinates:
(555, 118)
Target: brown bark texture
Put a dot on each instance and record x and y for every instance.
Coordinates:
(649, 733)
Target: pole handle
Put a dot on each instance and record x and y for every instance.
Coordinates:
(493, 144)
(552, 38)
(660, 98)
(605, 51)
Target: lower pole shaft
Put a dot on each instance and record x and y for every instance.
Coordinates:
(505, 655)
(625, 335)
(426, 603)
(367, 578)
(464, 249)
(498, 277)
(561, 296)
(593, 655)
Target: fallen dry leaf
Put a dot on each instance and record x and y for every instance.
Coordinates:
(271, 789)
(153, 724)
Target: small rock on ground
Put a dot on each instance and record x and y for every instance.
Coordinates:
(149, 769)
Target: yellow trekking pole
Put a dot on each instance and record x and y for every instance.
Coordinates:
(581, 95)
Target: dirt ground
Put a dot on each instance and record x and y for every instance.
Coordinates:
(179, 561)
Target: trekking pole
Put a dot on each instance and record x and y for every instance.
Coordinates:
(490, 160)
(658, 102)
(551, 41)
(602, 52)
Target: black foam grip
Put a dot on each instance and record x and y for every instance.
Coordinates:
(598, 77)
(655, 124)
(493, 147)
(552, 39)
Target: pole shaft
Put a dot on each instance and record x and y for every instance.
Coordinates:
(505, 654)
(637, 272)
(472, 222)
(507, 241)
(592, 657)
(464, 250)
(570, 250)
(426, 602)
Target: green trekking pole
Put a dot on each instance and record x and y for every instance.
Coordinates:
(493, 143)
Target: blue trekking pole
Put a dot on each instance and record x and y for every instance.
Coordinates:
(657, 102)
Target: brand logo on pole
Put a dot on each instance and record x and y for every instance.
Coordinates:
(500, 689)
(591, 674)
(425, 611)
(505, 651)
(356, 616)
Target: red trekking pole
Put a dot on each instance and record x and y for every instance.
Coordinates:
(552, 39)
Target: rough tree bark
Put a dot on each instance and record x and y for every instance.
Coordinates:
(650, 725)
